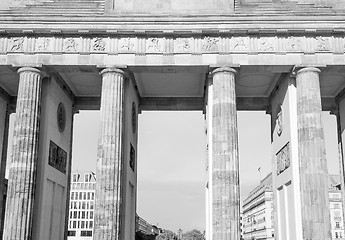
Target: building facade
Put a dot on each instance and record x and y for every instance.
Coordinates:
(81, 206)
(144, 227)
(258, 210)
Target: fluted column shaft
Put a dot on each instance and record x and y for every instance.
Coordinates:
(22, 173)
(312, 159)
(225, 165)
(109, 162)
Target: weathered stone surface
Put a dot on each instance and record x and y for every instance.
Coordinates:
(225, 165)
(110, 157)
(312, 157)
(22, 174)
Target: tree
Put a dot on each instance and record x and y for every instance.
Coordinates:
(167, 235)
(193, 235)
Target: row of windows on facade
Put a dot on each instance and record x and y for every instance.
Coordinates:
(338, 235)
(82, 205)
(83, 186)
(87, 177)
(80, 224)
(84, 233)
(82, 195)
(81, 214)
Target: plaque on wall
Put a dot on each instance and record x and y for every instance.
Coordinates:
(132, 158)
(57, 157)
(283, 159)
(61, 117)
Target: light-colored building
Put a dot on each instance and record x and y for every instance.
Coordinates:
(81, 206)
(258, 215)
(144, 227)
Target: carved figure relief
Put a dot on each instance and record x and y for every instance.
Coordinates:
(70, 45)
(17, 44)
(211, 44)
(183, 44)
(42, 44)
(57, 157)
(239, 44)
(283, 159)
(154, 45)
(322, 44)
(126, 44)
(61, 117)
(98, 45)
(132, 158)
(294, 44)
(279, 120)
(265, 45)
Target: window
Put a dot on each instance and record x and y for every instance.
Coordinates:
(91, 224)
(336, 205)
(71, 233)
(86, 233)
(91, 215)
(75, 177)
(75, 214)
(74, 224)
(337, 224)
(86, 177)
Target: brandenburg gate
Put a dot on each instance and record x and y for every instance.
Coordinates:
(126, 56)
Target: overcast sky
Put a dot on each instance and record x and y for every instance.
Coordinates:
(171, 161)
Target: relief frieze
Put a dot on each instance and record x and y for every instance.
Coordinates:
(43, 44)
(323, 44)
(283, 159)
(98, 45)
(294, 44)
(240, 44)
(184, 45)
(266, 44)
(16, 44)
(154, 45)
(211, 44)
(126, 44)
(70, 45)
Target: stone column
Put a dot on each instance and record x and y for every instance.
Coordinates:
(22, 175)
(110, 157)
(225, 166)
(312, 159)
(3, 163)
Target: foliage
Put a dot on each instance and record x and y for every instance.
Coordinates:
(193, 235)
(167, 235)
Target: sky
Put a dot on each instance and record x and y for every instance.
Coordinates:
(172, 158)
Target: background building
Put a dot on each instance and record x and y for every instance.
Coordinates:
(81, 207)
(258, 215)
(144, 227)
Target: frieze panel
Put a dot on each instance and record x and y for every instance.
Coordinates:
(239, 44)
(127, 45)
(283, 159)
(323, 44)
(180, 45)
(16, 44)
(266, 44)
(294, 44)
(43, 45)
(70, 45)
(154, 45)
(211, 44)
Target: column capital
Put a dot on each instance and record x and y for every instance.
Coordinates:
(113, 70)
(30, 69)
(224, 69)
(300, 69)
